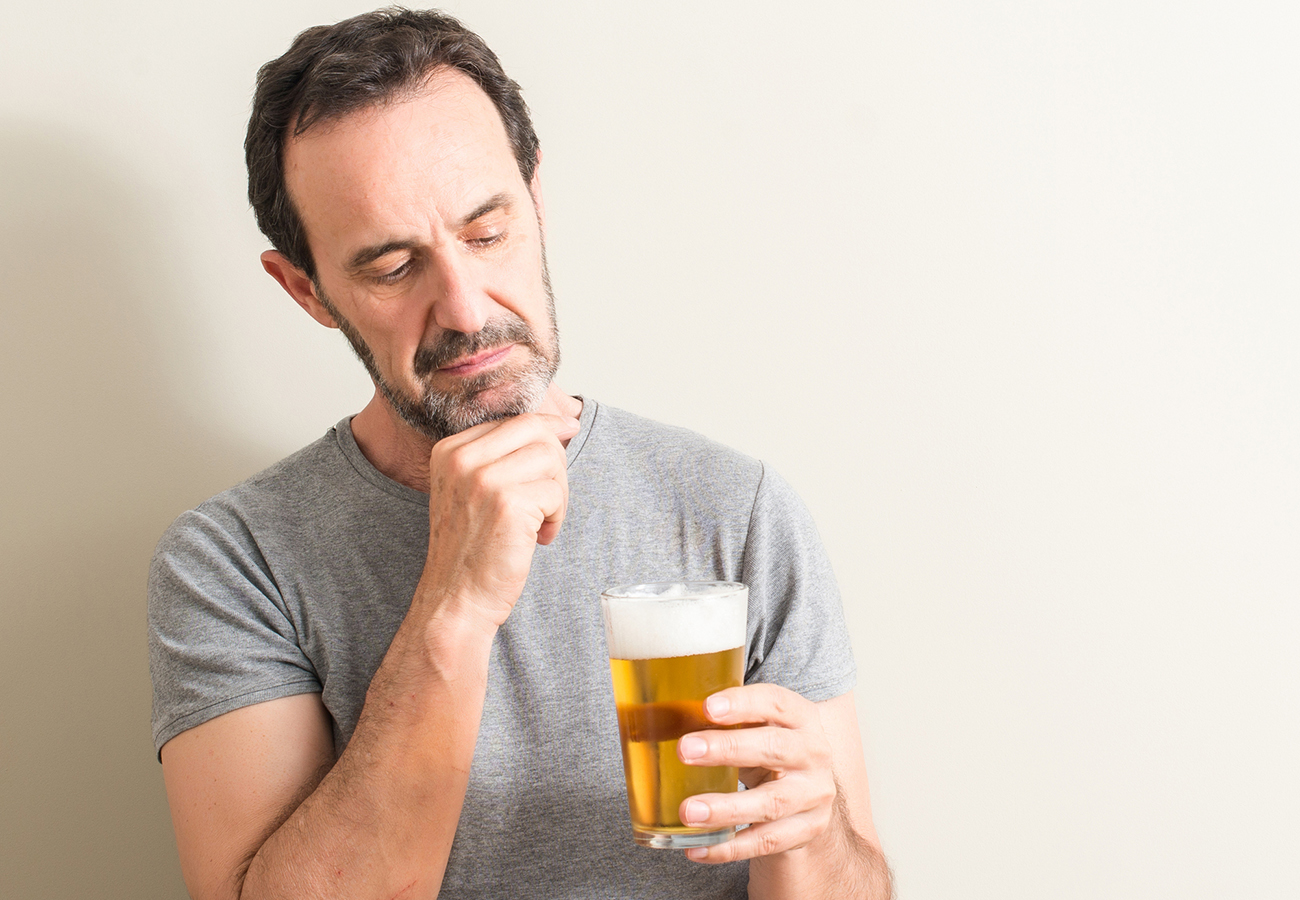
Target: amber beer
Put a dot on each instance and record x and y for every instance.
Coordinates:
(671, 645)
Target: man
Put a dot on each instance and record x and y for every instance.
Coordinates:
(379, 667)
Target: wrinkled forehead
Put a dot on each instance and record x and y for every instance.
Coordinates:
(437, 146)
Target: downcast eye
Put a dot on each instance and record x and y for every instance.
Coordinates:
(395, 275)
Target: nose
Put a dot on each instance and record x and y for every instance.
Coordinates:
(461, 302)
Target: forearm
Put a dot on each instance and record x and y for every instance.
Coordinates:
(381, 822)
(840, 863)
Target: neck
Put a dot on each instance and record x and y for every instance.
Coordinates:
(402, 453)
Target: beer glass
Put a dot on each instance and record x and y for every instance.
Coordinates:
(671, 645)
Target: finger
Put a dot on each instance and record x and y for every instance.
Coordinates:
(527, 486)
(566, 427)
(541, 460)
(768, 704)
(760, 840)
(544, 500)
(460, 483)
(782, 798)
(562, 427)
(541, 464)
(548, 532)
(771, 747)
(467, 455)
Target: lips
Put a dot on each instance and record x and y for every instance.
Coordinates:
(451, 351)
(478, 362)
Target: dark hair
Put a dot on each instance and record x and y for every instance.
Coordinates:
(333, 70)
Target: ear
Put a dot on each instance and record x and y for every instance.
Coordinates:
(535, 188)
(295, 281)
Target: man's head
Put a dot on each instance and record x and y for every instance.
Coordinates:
(359, 63)
(393, 166)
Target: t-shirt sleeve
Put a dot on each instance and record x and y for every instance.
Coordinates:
(797, 633)
(219, 634)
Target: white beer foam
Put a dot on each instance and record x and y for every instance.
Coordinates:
(672, 621)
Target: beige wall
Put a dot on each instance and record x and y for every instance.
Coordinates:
(1008, 290)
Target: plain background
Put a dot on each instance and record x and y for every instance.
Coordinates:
(1008, 290)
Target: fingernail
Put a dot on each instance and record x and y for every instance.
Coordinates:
(717, 705)
(698, 853)
(695, 812)
(692, 747)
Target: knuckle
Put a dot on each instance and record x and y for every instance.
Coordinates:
(767, 843)
(777, 806)
(485, 490)
(726, 809)
(459, 468)
(725, 852)
(775, 748)
(454, 457)
(826, 796)
(780, 702)
(479, 478)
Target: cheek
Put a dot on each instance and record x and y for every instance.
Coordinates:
(393, 335)
(402, 339)
(529, 296)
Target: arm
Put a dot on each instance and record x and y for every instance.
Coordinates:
(256, 813)
(259, 812)
(812, 835)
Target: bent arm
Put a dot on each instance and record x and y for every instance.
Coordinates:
(380, 822)
(259, 811)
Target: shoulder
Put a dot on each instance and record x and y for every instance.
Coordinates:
(294, 479)
(234, 523)
(629, 446)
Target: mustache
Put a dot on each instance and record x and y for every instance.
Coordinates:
(454, 345)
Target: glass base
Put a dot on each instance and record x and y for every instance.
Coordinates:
(681, 840)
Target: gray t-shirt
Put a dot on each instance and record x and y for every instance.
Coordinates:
(296, 581)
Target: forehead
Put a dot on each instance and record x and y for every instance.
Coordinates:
(436, 151)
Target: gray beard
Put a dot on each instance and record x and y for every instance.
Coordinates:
(439, 414)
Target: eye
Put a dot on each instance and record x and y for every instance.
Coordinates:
(395, 275)
(485, 240)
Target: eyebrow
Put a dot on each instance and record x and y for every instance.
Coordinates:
(367, 255)
(497, 201)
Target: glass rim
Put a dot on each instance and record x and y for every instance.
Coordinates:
(652, 591)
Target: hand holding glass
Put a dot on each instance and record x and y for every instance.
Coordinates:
(671, 645)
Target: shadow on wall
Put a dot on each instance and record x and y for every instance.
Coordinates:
(98, 459)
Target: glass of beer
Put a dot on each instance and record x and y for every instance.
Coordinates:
(671, 645)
